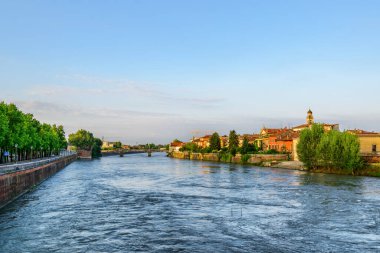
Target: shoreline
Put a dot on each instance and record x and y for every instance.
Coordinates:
(17, 183)
(373, 170)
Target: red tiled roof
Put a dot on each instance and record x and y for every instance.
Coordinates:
(288, 135)
(302, 126)
(273, 130)
(359, 131)
(250, 137)
(176, 144)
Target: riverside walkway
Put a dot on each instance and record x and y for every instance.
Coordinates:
(24, 165)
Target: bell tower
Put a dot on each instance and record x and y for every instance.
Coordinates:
(310, 118)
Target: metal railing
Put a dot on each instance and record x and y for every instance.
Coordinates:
(19, 166)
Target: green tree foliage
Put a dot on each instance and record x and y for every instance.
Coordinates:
(4, 124)
(215, 142)
(245, 146)
(82, 139)
(32, 138)
(192, 147)
(233, 142)
(338, 150)
(330, 150)
(117, 144)
(97, 148)
(307, 145)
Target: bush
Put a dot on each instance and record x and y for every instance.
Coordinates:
(225, 157)
(245, 158)
(271, 152)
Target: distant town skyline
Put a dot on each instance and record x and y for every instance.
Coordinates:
(151, 71)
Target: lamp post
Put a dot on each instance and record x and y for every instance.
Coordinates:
(31, 153)
(41, 153)
(16, 145)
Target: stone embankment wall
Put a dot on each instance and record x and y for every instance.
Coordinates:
(371, 158)
(14, 184)
(261, 159)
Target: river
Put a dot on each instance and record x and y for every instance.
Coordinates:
(137, 203)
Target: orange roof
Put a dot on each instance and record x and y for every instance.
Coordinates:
(302, 126)
(176, 144)
(288, 135)
(307, 125)
(273, 130)
(359, 132)
(250, 137)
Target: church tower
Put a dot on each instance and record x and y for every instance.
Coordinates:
(310, 118)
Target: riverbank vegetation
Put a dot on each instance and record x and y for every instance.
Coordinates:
(22, 137)
(229, 149)
(85, 140)
(331, 151)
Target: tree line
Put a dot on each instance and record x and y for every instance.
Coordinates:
(22, 137)
(329, 150)
(232, 148)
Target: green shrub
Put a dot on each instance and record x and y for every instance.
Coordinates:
(245, 158)
(226, 157)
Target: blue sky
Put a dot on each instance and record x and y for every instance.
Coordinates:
(155, 70)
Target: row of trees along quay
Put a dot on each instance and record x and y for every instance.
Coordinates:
(333, 150)
(22, 137)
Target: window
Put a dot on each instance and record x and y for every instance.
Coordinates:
(374, 148)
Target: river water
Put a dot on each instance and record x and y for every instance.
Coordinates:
(157, 204)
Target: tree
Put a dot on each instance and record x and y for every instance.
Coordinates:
(61, 136)
(215, 142)
(307, 145)
(233, 142)
(82, 139)
(97, 148)
(21, 132)
(352, 152)
(339, 151)
(245, 146)
(4, 125)
(117, 144)
(190, 147)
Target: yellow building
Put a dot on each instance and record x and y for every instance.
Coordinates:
(369, 141)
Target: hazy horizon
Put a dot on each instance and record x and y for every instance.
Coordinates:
(151, 71)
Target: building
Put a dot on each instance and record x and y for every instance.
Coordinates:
(369, 141)
(267, 138)
(310, 122)
(251, 138)
(175, 146)
(108, 144)
(223, 141)
(284, 141)
(202, 142)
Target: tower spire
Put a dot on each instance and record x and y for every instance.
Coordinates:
(310, 117)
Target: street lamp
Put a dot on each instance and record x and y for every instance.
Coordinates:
(16, 145)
